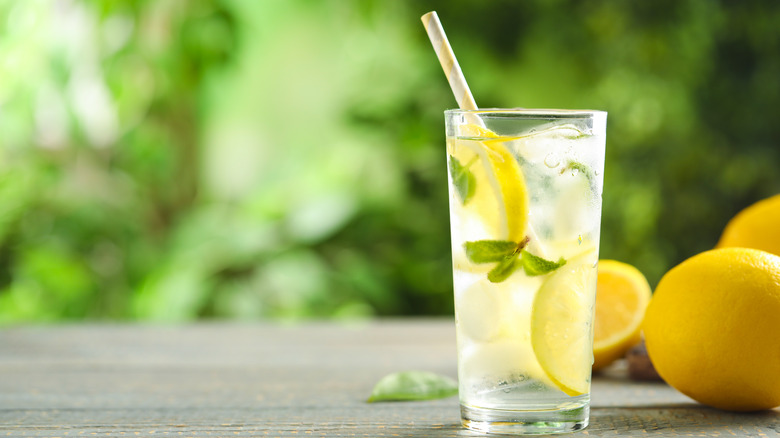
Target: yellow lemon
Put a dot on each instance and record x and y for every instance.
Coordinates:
(757, 226)
(622, 294)
(505, 212)
(508, 183)
(712, 329)
(561, 324)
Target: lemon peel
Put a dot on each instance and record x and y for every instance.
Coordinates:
(711, 328)
(755, 227)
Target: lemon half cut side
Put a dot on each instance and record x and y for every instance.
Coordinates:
(622, 295)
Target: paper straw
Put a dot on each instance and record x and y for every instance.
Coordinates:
(448, 62)
(459, 86)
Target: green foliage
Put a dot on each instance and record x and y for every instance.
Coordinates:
(175, 160)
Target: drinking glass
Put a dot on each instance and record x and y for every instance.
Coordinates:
(525, 209)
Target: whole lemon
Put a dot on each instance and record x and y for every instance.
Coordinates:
(712, 329)
(757, 226)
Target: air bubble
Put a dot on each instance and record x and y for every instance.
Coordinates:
(552, 160)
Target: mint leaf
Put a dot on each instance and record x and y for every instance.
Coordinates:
(535, 265)
(486, 251)
(576, 165)
(503, 270)
(464, 181)
(585, 170)
(413, 385)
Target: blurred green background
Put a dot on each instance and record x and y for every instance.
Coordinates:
(173, 160)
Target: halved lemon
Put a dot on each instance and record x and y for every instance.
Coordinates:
(561, 329)
(622, 295)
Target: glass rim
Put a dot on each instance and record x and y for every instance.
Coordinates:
(529, 112)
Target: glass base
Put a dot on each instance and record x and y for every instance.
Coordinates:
(526, 422)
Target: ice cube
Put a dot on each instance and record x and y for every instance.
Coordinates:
(485, 365)
(478, 309)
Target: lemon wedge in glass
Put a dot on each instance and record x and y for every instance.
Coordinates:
(561, 324)
(507, 218)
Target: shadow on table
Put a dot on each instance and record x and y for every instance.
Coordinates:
(453, 430)
(652, 420)
(681, 418)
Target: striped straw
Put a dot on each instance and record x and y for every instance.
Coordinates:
(448, 62)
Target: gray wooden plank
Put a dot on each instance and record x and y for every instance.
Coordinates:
(265, 379)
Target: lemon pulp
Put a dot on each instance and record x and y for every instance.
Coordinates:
(622, 295)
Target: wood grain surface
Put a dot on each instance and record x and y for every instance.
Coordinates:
(265, 379)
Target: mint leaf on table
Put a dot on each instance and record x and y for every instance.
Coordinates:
(464, 181)
(503, 270)
(535, 265)
(413, 385)
(487, 251)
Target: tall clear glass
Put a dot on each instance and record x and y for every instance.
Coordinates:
(525, 213)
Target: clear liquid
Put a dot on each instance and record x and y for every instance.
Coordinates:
(498, 369)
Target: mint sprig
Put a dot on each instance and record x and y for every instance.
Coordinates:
(464, 181)
(509, 256)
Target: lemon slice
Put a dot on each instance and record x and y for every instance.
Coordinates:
(505, 177)
(561, 325)
(509, 184)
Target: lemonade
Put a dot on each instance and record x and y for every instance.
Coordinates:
(525, 209)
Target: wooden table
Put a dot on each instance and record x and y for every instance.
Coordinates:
(265, 379)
